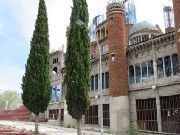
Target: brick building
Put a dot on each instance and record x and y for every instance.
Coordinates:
(140, 77)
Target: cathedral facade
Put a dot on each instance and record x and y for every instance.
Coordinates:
(140, 77)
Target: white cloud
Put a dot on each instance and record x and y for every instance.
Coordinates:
(58, 18)
(59, 12)
(150, 10)
(10, 77)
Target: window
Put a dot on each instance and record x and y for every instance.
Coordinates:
(167, 62)
(146, 114)
(55, 60)
(96, 82)
(106, 121)
(55, 70)
(138, 73)
(131, 74)
(91, 116)
(92, 83)
(175, 62)
(107, 80)
(53, 114)
(144, 71)
(102, 80)
(104, 49)
(160, 68)
(150, 70)
(62, 115)
(170, 113)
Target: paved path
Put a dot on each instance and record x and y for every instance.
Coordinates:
(47, 129)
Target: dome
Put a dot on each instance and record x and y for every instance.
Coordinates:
(144, 25)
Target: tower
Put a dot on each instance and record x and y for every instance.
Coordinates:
(118, 84)
(176, 5)
(168, 19)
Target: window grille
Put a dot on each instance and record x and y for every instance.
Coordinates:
(91, 116)
(170, 113)
(53, 114)
(147, 114)
(106, 120)
(62, 115)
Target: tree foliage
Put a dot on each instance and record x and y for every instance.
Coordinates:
(10, 98)
(77, 61)
(36, 81)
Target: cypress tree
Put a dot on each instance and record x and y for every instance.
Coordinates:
(77, 63)
(36, 81)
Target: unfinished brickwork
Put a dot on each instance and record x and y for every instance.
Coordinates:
(117, 50)
(176, 4)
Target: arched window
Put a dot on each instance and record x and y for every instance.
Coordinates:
(144, 71)
(175, 62)
(138, 73)
(167, 62)
(107, 80)
(96, 82)
(131, 74)
(55, 70)
(92, 83)
(150, 70)
(160, 68)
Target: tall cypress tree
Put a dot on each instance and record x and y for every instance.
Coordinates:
(36, 81)
(77, 62)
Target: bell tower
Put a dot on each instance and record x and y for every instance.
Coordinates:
(118, 78)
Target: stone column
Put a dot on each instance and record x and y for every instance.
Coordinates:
(157, 90)
(159, 121)
(155, 64)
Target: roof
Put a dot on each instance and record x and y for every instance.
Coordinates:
(144, 25)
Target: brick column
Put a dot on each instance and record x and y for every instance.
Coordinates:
(176, 4)
(117, 49)
(118, 73)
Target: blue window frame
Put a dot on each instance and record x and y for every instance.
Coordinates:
(150, 70)
(96, 82)
(175, 62)
(103, 81)
(92, 83)
(131, 75)
(167, 62)
(160, 68)
(138, 73)
(144, 71)
(107, 80)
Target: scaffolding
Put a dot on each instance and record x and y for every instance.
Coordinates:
(168, 16)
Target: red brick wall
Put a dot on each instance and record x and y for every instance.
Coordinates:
(118, 80)
(176, 4)
(21, 113)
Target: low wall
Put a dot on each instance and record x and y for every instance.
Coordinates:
(21, 113)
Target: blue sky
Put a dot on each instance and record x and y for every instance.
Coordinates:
(17, 18)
